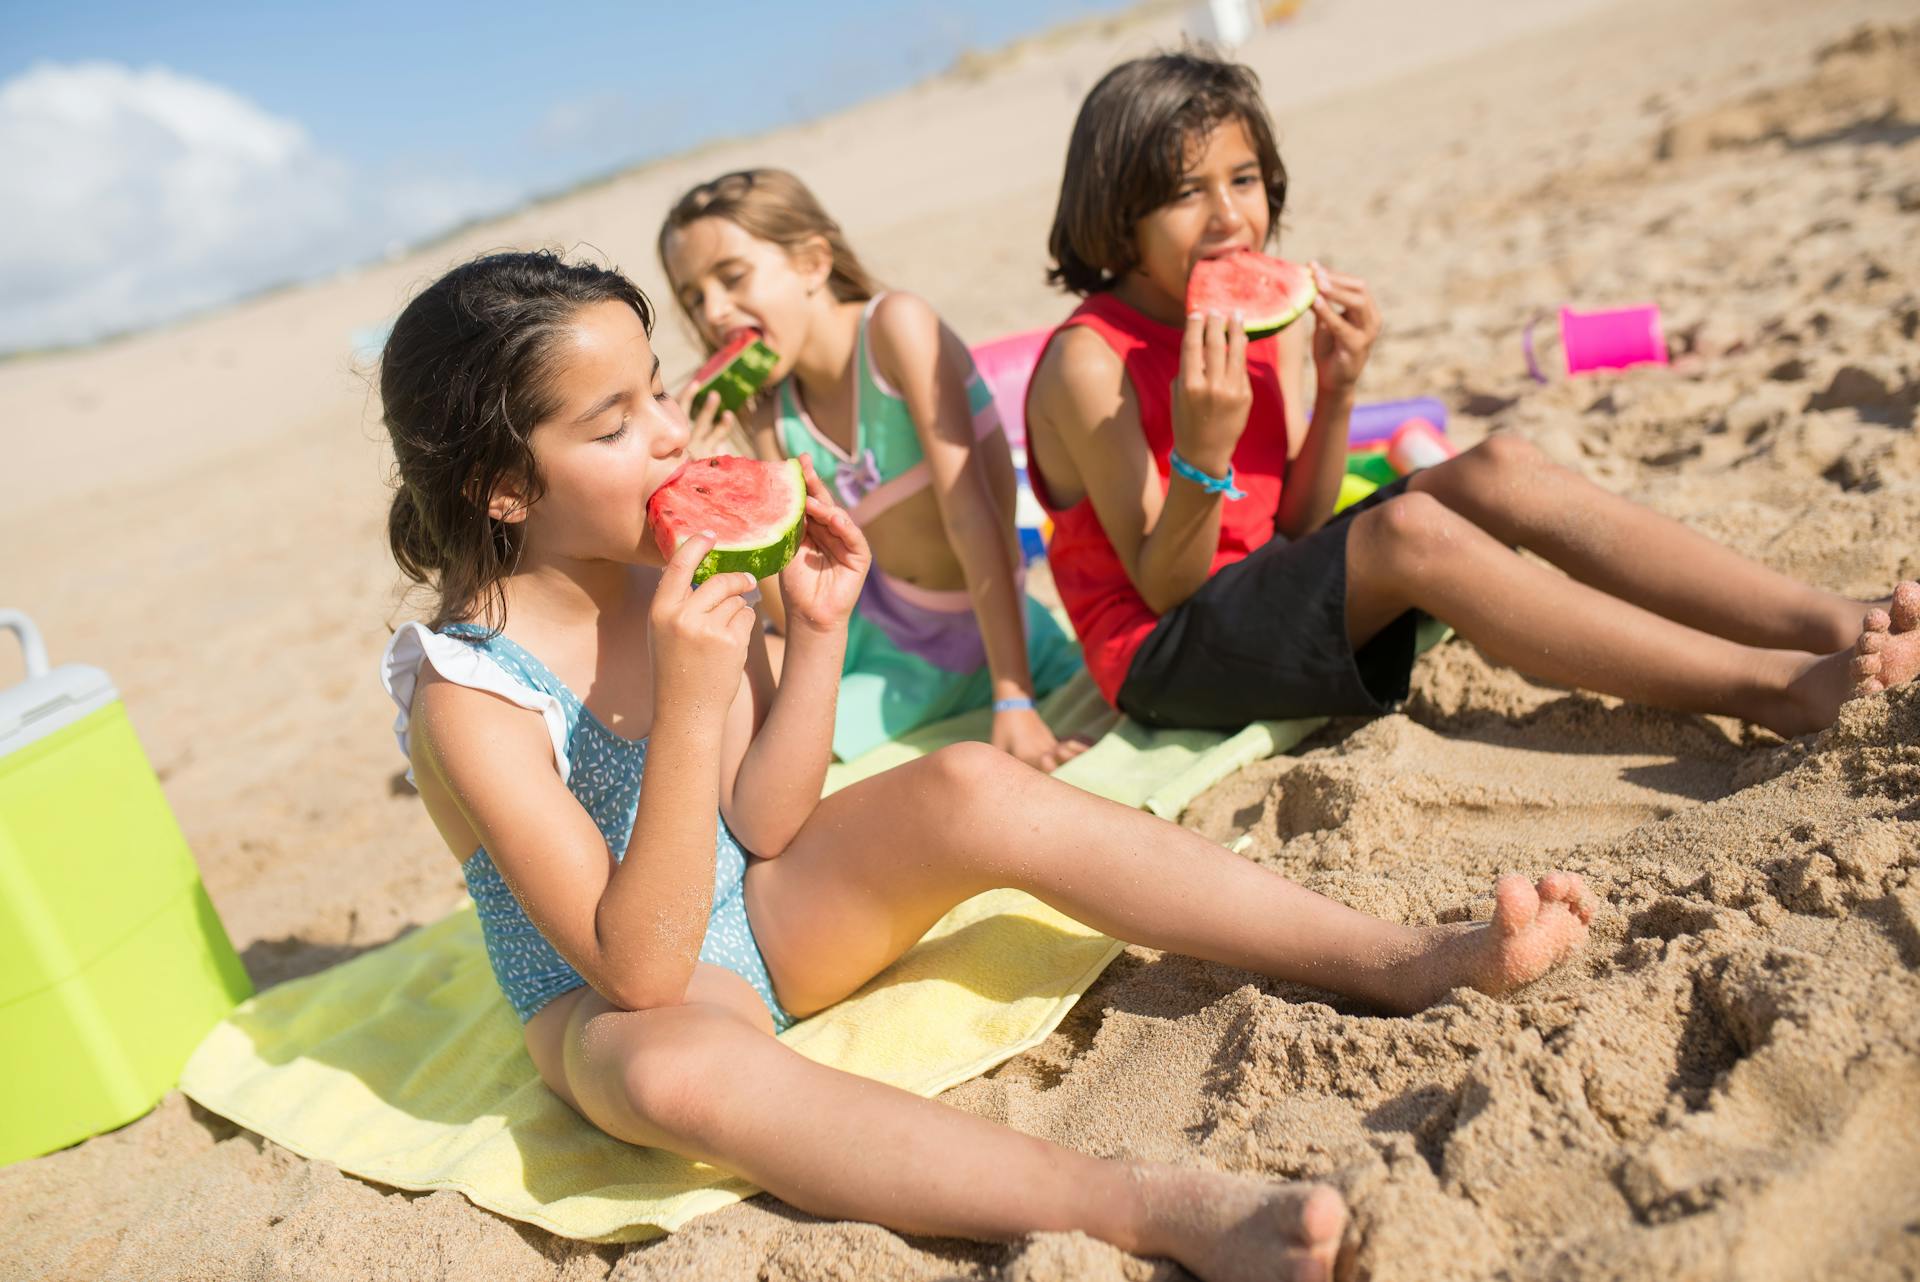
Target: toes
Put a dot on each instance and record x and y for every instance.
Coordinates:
(1312, 1223)
(1581, 901)
(1320, 1227)
(1323, 1217)
(1346, 1265)
(1876, 620)
(1305, 1266)
(1570, 891)
(1863, 666)
(1516, 903)
(1868, 688)
(1872, 642)
(1563, 887)
(1906, 607)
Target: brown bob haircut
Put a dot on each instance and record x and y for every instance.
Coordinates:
(1130, 147)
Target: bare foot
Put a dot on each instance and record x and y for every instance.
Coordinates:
(1888, 651)
(1226, 1228)
(1813, 697)
(1534, 928)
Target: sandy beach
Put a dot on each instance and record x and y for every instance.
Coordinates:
(1725, 1085)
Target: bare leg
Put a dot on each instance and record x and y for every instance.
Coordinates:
(1508, 488)
(700, 1080)
(879, 862)
(1414, 551)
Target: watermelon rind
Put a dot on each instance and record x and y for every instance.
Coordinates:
(766, 554)
(1258, 326)
(1266, 327)
(739, 378)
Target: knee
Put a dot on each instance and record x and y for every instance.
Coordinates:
(1504, 460)
(1410, 520)
(673, 1077)
(1402, 532)
(968, 771)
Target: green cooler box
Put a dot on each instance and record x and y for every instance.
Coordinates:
(113, 965)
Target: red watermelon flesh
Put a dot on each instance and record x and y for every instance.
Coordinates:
(757, 511)
(736, 371)
(1269, 293)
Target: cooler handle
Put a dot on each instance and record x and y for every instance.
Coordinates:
(30, 642)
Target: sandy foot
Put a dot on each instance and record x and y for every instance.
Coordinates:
(1233, 1228)
(1888, 651)
(1535, 927)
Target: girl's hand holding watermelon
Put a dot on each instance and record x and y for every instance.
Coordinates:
(1347, 322)
(699, 635)
(716, 430)
(1211, 396)
(822, 583)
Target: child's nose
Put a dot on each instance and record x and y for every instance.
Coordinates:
(677, 436)
(716, 310)
(1226, 212)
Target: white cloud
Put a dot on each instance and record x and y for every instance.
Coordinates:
(132, 196)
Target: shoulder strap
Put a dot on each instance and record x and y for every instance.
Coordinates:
(864, 357)
(462, 653)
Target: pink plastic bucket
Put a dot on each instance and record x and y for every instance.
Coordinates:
(1612, 339)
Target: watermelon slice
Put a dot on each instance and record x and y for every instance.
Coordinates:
(736, 371)
(1269, 293)
(757, 509)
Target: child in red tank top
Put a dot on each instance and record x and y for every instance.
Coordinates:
(1203, 567)
(1109, 612)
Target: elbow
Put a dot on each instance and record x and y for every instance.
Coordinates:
(640, 983)
(1163, 598)
(977, 542)
(650, 990)
(761, 834)
(1304, 520)
(763, 841)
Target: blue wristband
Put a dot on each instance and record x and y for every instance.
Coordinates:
(1211, 484)
(1013, 705)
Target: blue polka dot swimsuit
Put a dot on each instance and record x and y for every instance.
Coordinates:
(604, 774)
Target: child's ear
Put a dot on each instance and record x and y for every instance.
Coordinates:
(813, 259)
(508, 503)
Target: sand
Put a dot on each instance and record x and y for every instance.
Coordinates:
(1726, 1085)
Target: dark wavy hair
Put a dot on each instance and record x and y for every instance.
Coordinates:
(464, 378)
(1130, 146)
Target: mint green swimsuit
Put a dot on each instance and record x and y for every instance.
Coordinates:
(914, 655)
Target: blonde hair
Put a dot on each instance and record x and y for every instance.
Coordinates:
(771, 205)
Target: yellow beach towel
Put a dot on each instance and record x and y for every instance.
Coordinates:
(406, 1066)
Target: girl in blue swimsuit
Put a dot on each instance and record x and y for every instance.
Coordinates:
(661, 887)
(885, 401)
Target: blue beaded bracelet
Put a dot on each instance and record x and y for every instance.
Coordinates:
(1013, 705)
(1211, 484)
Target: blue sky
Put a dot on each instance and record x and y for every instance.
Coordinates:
(319, 135)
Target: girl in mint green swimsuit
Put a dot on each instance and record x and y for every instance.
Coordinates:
(755, 249)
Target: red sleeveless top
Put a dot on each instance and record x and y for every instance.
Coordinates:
(1108, 613)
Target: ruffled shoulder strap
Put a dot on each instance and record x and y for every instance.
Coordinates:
(467, 663)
